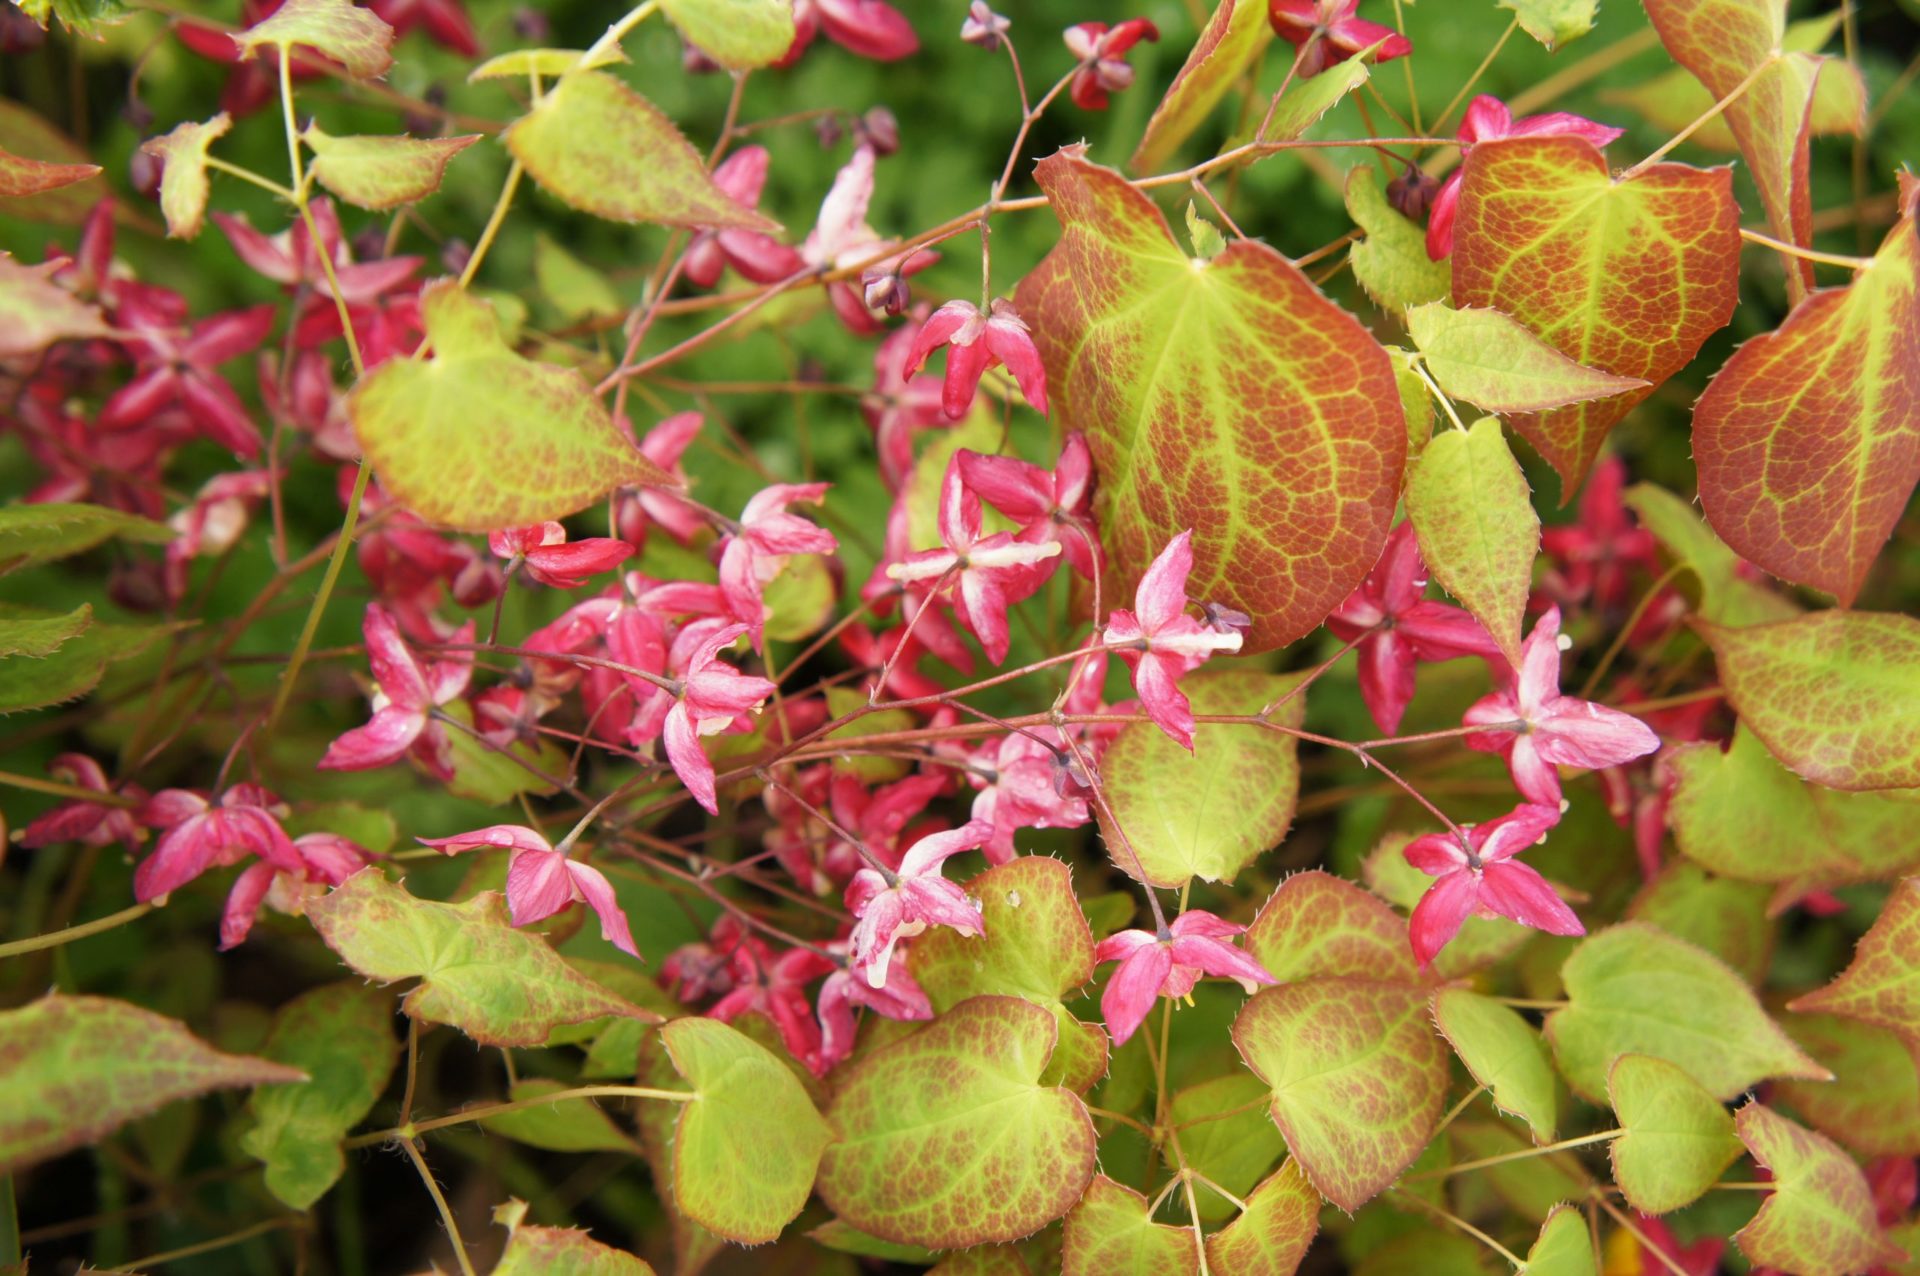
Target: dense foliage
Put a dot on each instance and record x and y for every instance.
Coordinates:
(1223, 639)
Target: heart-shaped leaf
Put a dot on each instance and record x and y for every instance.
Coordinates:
(1391, 263)
(1881, 985)
(1553, 22)
(354, 37)
(1110, 1231)
(570, 1125)
(557, 1251)
(1873, 1103)
(1820, 1216)
(1272, 1234)
(1727, 595)
(738, 34)
(1317, 924)
(1563, 1248)
(1678, 1138)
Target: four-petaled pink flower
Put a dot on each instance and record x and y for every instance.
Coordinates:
(976, 342)
(1102, 53)
(183, 371)
(1169, 965)
(1048, 505)
(1488, 120)
(759, 258)
(889, 907)
(712, 697)
(664, 445)
(1398, 626)
(87, 822)
(776, 987)
(1480, 875)
(1326, 32)
(326, 859)
(757, 549)
(870, 28)
(543, 549)
(1553, 730)
(404, 703)
(200, 835)
(1160, 641)
(1595, 558)
(985, 574)
(542, 880)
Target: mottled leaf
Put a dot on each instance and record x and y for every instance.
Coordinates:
(76, 1068)
(86, 18)
(1357, 1078)
(1317, 924)
(571, 1125)
(1819, 1217)
(1678, 1138)
(1228, 397)
(1236, 1150)
(1210, 812)
(1634, 989)
(601, 147)
(1553, 22)
(1504, 1054)
(1391, 262)
(1881, 985)
(1729, 595)
(500, 986)
(37, 636)
(341, 1036)
(557, 1251)
(1495, 362)
(947, 1139)
(1307, 102)
(1873, 1103)
(381, 172)
(354, 37)
(1230, 43)
(183, 177)
(20, 176)
(1835, 696)
(1109, 1233)
(738, 34)
(35, 312)
(1272, 1235)
(1472, 512)
(1629, 277)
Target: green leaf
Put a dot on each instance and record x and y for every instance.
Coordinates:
(1211, 812)
(1302, 106)
(1563, 1248)
(1834, 695)
(354, 37)
(1503, 1053)
(571, 1125)
(1236, 1151)
(557, 1251)
(601, 147)
(576, 290)
(82, 17)
(746, 1148)
(183, 179)
(1819, 1217)
(1357, 1078)
(1317, 924)
(996, 1154)
(381, 172)
(1472, 513)
(1728, 918)
(1805, 439)
(1205, 237)
(1546, 234)
(1236, 35)
(1428, 1251)
(35, 534)
(1110, 1233)
(1416, 401)
(1553, 22)
(1881, 985)
(500, 986)
(477, 438)
(1494, 361)
(35, 312)
(548, 64)
(1036, 946)
(370, 828)
(341, 1036)
(1228, 397)
(1272, 1234)
(76, 1068)
(71, 670)
(836, 1235)
(1678, 1138)
(491, 775)
(38, 636)
(1637, 990)
(1726, 596)
(1481, 942)
(1873, 1103)
(1391, 263)
(738, 34)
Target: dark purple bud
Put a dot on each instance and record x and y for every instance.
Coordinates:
(1069, 777)
(143, 172)
(829, 129)
(1412, 193)
(1225, 620)
(532, 24)
(139, 586)
(696, 62)
(886, 291)
(370, 243)
(880, 130)
(455, 255)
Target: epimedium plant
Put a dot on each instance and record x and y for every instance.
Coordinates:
(1161, 802)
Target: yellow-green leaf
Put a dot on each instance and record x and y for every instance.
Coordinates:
(354, 37)
(1472, 513)
(1503, 1053)
(738, 34)
(382, 172)
(183, 179)
(1492, 360)
(1820, 1216)
(1236, 34)
(1391, 262)
(1678, 1138)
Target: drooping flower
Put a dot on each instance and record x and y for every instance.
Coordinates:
(1050, 505)
(753, 555)
(1102, 53)
(81, 820)
(899, 997)
(713, 698)
(983, 27)
(199, 835)
(984, 574)
(841, 238)
(445, 22)
(890, 907)
(1487, 120)
(776, 986)
(1479, 875)
(326, 859)
(820, 859)
(757, 257)
(184, 372)
(1327, 31)
(1398, 626)
(1553, 730)
(975, 343)
(403, 705)
(1017, 775)
(870, 28)
(1169, 965)
(1595, 557)
(547, 555)
(542, 880)
(638, 507)
(1160, 641)
(900, 405)
(212, 522)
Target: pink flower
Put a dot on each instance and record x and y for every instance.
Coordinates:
(199, 836)
(1169, 965)
(777, 988)
(759, 258)
(712, 698)
(542, 881)
(550, 559)
(977, 342)
(1049, 506)
(1488, 120)
(753, 554)
(841, 238)
(1326, 32)
(870, 28)
(444, 21)
(183, 371)
(212, 522)
(877, 818)
(983, 27)
(899, 997)
(80, 820)
(292, 260)
(984, 574)
(1020, 791)
(889, 907)
(1398, 626)
(1160, 641)
(1554, 730)
(1102, 53)
(1596, 557)
(403, 706)
(326, 859)
(664, 445)
(900, 405)
(1480, 875)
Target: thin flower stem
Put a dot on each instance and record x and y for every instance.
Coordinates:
(494, 220)
(219, 165)
(1222, 1116)
(873, 861)
(1293, 70)
(1406, 65)
(440, 1203)
(482, 1112)
(53, 939)
(1745, 1187)
(1804, 254)
(1632, 622)
(296, 1222)
(1524, 1003)
(1712, 113)
(614, 34)
(1122, 1118)
(1450, 733)
(1453, 1113)
(1455, 1220)
(1522, 1155)
(1440, 122)
(1119, 833)
(335, 563)
(698, 339)
(34, 784)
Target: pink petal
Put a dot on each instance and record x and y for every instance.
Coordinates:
(1435, 854)
(743, 174)
(383, 740)
(1533, 775)
(1539, 680)
(984, 604)
(870, 28)
(1441, 912)
(216, 409)
(1013, 345)
(230, 334)
(537, 886)
(689, 763)
(1514, 832)
(1162, 698)
(1134, 988)
(1386, 677)
(760, 258)
(1198, 924)
(182, 854)
(392, 661)
(1440, 218)
(843, 214)
(1221, 959)
(959, 518)
(515, 836)
(598, 892)
(667, 442)
(965, 366)
(243, 903)
(568, 566)
(1487, 118)
(1583, 734)
(1019, 489)
(938, 902)
(1162, 593)
(1563, 124)
(926, 855)
(139, 399)
(1117, 946)
(1515, 890)
(260, 253)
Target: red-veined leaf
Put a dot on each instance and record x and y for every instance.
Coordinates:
(1819, 1217)
(20, 176)
(1881, 985)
